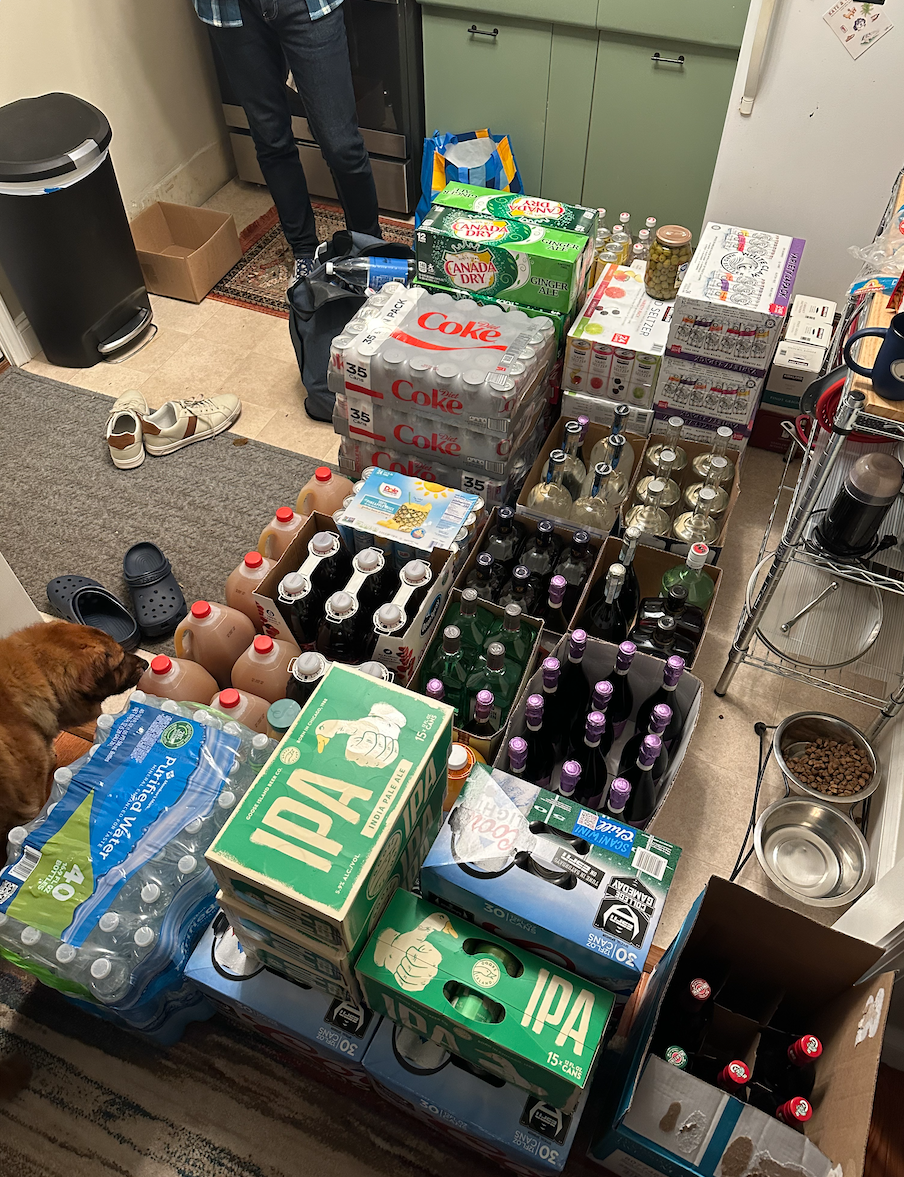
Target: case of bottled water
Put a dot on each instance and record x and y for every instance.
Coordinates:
(106, 891)
(415, 354)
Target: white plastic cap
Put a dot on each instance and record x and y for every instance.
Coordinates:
(172, 707)
(30, 936)
(17, 835)
(108, 922)
(186, 864)
(145, 937)
(341, 604)
(458, 757)
(193, 826)
(696, 557)
(63, 776)
(66, 953)
(292, 583)
(323, 543)
(101, 968)
(150, 893)
(226, 799)
(104, 723)
(232, 728)
(139, 697)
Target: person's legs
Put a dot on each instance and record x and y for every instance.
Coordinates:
(317, 52)
(256, 66)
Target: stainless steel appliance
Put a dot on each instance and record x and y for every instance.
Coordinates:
(384, 40)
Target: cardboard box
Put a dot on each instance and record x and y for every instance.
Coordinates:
(326, 966)
(325, 833)
(327, 1035)
(184, 251)
(508, 1011)
(734, 297)
(406, 511)
(768, 431)
(598, 921)
(501, 1122)
(646, 676)
(601, 411)
(400, 653)
(702, 429)
(526, 264)
(616, 343)
(530, 210)
(486, 748)
(554, 441)
(779, 954)
(795, 367)
(684, 386)
(650, 565)
(811, 321)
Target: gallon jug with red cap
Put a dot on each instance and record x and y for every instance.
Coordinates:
(324, 492)
(280, 532)
(263, 668)
(214, 635)
(243, 581)
(171, 678)
(243, 708)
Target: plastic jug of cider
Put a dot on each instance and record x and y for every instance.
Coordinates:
(242, 707)
(263, 668)
(324, 492)
(214, 636)
(243, 581)
(280, 532)
(171, 678)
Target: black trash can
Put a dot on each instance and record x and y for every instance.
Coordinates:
(65, 242)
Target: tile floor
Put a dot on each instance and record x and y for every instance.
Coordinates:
(211, 347)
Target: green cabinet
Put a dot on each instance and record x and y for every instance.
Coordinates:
(481, 79)
(655, 127)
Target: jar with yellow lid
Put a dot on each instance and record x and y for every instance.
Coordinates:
(670, 253)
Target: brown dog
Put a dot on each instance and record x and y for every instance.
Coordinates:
(52, 676)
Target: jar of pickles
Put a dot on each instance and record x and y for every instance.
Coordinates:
(670, 253)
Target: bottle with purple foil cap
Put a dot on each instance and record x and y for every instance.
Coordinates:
(554, 702)
(642, 801)
(622, 703)
(574, 689)
(619, 793)
(517, 755)
(482, 724)
(541, 756)
(599, 701)
(592, 760)
(666, 693)
(659, 721)
(435, 690)
(569, 778)
(554, 614)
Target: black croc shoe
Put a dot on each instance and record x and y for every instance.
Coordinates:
(156, 597)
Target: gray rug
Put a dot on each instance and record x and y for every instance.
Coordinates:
(65, 507)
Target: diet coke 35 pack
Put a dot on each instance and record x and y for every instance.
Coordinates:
(410, 354)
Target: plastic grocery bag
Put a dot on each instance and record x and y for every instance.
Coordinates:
(474, 157)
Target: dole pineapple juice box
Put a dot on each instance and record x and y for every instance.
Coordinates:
(340, 814)
(530, 210)
(492, 1003)
(523, 263)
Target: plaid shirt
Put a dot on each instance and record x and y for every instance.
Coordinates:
(225, 14)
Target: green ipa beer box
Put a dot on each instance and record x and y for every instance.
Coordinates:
(531, 210)
(520, 262)
(339, 816)
(485, 1000)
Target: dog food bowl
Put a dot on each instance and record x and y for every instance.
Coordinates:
(812, 852)
(797, 731)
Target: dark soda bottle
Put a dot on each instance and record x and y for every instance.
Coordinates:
(306, 671)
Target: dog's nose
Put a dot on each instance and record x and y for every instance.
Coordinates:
(142, 663)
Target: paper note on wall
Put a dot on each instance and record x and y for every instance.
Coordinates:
(857, 26)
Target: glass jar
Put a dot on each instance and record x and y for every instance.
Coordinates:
(670, 254)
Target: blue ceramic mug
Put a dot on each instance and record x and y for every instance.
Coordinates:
(887, 372)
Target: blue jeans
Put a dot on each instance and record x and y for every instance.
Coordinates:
(273, 33)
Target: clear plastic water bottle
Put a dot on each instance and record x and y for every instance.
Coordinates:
(109, 979)
(371, 273)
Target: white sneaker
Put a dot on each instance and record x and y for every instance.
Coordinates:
(179, 423)
(124, 430)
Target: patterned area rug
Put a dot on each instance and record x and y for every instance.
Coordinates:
(259, 280)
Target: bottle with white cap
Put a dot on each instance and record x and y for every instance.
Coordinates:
(337, 636)
(109, 979)
(700, 586)
(305, 674)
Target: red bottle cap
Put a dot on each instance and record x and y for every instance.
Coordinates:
(200, 609)
(161, 664)
(263, 644)
(229, 698)
(700, 990)
(285, 514)
(796, 1111)
(253, 559)
(805, 1050)
(323, 474)
(736, 1074)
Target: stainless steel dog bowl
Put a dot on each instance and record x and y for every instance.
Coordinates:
(794, 734)
(812, 852)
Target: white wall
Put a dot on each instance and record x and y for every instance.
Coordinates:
(818, 156)
(146, 64)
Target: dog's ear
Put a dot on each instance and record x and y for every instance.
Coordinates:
(96, 667)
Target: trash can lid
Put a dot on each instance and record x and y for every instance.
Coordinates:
(49, 136)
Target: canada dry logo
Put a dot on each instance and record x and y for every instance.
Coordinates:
(547, 210)
(470, 270)
(177, 734)
(478, 229)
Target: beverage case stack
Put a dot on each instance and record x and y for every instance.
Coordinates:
(724, 330)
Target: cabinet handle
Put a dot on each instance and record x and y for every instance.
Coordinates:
(482, 32)
(679, 60)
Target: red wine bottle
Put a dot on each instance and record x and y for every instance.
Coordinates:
(622, 703)
(594, 775)
(554, 616)
(659, 722)
(617, 800)
(643, 786)
(575, 690)
(606, 618)
(667, 693)
(517, 756)
(599, 701)
(541, 753)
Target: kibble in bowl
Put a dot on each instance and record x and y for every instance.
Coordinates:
(827, 757)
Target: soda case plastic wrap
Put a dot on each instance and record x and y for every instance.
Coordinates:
(105, 893)
(418, 354)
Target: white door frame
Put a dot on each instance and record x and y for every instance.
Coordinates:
(18, 342)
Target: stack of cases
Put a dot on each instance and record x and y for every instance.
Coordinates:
(340, 817)
(441, 381)
(725, 327)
